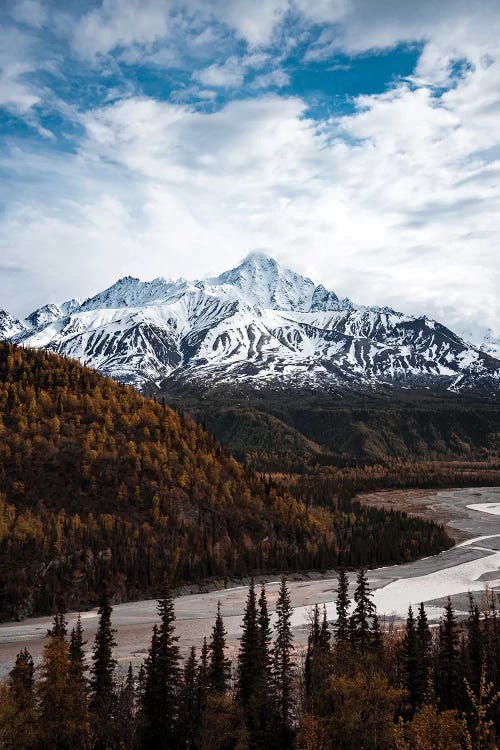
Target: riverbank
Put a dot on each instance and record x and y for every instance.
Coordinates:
(470, 565)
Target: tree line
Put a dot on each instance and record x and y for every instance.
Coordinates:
(355, 686)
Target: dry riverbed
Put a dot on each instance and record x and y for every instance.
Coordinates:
(469, 566)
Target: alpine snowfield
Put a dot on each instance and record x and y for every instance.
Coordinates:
(257, 324)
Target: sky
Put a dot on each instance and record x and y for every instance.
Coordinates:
(356, 141)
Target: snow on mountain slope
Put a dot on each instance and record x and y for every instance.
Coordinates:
(9, 326)
(485, 339)
(257, 323)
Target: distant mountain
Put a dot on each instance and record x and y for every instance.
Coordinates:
(485, 339)
(260, 325)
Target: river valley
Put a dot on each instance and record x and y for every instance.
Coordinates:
(473, 564)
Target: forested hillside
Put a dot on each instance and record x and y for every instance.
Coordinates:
(99, 483)
(279, 430)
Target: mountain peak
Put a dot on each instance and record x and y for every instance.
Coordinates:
(259, 257)
(265, 283)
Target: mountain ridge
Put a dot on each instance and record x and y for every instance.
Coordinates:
(258, 324)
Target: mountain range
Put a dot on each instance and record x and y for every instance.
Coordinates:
(258, 325)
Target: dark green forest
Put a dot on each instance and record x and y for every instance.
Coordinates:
(276, 430)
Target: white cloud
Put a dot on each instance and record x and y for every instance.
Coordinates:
(15, 94)
(121, 23)
(30, 12)
(397, 203)
(273, 79)
(230, 74)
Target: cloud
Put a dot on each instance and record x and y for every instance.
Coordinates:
(121, 23)
(17, 94)
(230, 74)
(30, 12)
(273, 79)
(396, 202)
(383, 212)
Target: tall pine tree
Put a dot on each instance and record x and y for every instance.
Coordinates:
(361, 618)
(248, 659)
(408, 657)
(283, 666)
(342, 606)
(161, 692)
(448, 671)
(102, 673)
(219, 665)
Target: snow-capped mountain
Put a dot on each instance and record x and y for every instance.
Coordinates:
(9, 326)
(257, 324)
(485, 340)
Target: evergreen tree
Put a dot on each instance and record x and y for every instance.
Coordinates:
(265, 633)
(76, 651)
(102, 673)
(160, 703)
(312, 653)
(475, 646)
(448, 667)
(424, 657)
(283, 666)
(408, 657)
(188, 715)
(364, 609)
(219, 666)
(260, 715)
(22, 680)
(202, 682)
(59, 627)
(324, 634)
(342, 606)
(125, 720)
(248, 658)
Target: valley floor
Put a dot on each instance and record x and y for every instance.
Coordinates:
(472, 515)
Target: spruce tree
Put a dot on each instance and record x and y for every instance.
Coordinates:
(342, 606)
(475, 646)
(408, 657)
(22, 680)
(161, 694)
(202, 682)
(77, 669)
(364, 609)
(125, 720)
(448, 667)
(102, 673)
(283, 666)
(260, 716)
(324, 634)
(311, 653)
(59, 627)
(76, 649)
(265, 633)
(189, 726)
(248, 658)
(423, 666)
(219, 666)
